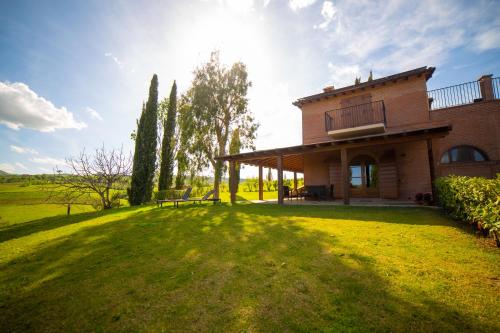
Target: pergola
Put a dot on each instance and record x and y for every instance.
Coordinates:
(292, 158)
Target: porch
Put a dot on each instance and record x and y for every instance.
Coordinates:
(361, 202)
(300, 159)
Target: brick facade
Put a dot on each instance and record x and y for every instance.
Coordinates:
(404, 168)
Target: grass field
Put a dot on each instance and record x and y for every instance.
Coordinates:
(248, 268)
(20, 204)
(26, 203)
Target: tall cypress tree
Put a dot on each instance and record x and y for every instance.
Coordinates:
(168, 143)
(145, 149)
(136, 191)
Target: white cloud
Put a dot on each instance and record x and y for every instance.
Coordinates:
(299, 4)
(21, 166)
(328, 12)
(343, 75)
(239, 5)
(487, 40)
(22, 107)
(23, 150)
(49, 161)
(117, 61)
(393, 36)
(7, 167)
(93, 113)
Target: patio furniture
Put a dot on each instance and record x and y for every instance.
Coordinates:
(286, 192)
(184, 198)
(315, 192)
(206, 197)
(297, 194)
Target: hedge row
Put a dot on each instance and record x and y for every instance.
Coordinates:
(475, 200)
(177, 194)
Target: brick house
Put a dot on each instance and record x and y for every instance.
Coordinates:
(389, 138)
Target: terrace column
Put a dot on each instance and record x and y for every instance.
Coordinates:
(430, 155)
(279, 166)
(232, 183)
(261, 184)
(345, 175)
(295, 181)
(486, 86)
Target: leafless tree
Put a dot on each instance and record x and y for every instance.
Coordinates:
(94, 174)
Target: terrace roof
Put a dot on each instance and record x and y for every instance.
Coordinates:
(293, 155)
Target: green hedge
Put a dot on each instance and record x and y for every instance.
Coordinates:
(177, 194)
(471, 199)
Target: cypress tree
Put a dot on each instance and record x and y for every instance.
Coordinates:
(234, 148)
(136, 191)
(145, 149)
(168, 143)
(151, 137)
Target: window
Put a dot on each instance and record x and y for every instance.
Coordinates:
(463, 154)
(356, 180)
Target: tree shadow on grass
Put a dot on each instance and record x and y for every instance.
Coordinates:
(220, 269)
(48, 223)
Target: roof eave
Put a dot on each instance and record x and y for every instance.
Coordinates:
(428, 71)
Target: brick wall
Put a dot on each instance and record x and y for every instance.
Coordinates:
(475, 125)
(405, 103)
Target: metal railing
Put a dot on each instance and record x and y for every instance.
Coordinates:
(355, 116)
(464, 93)
(495, 82)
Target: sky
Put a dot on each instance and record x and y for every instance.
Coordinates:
(74, 74)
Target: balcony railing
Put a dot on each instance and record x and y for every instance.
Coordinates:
(495, 82)
(459, 94)
(355, 116)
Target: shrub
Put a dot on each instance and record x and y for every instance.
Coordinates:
(177, 194)
(475, 200)
(427, 198)
(419, 197)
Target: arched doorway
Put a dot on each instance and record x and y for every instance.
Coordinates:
(363, 175)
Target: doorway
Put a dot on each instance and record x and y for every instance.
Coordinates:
(363, 174)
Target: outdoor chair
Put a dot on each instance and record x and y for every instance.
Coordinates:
(184, 198)
(316, 192)
(286, 192)
(206, 197)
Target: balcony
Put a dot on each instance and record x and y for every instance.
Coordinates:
(485, 89)
(357, 120)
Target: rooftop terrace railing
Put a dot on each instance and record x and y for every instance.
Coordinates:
(460, 94)
(355, 116)
(495, 82)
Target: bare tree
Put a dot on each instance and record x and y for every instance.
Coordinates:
(96, 173)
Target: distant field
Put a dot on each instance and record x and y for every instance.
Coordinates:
(20, 203)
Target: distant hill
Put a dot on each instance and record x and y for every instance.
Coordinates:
(3, 173)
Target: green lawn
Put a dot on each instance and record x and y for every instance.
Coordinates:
(248, 268)
(26, 203)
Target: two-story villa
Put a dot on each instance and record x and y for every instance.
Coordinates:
(389, 138)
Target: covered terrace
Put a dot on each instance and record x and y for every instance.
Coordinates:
(292, 158)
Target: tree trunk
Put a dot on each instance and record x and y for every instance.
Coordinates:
(217, 177)
(68, 211)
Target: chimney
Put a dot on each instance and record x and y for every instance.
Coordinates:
(486, 87)
(329, 88)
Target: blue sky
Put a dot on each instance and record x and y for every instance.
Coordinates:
(73, 74)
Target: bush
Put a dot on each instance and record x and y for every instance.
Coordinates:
(177, 194)
(475, 200)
